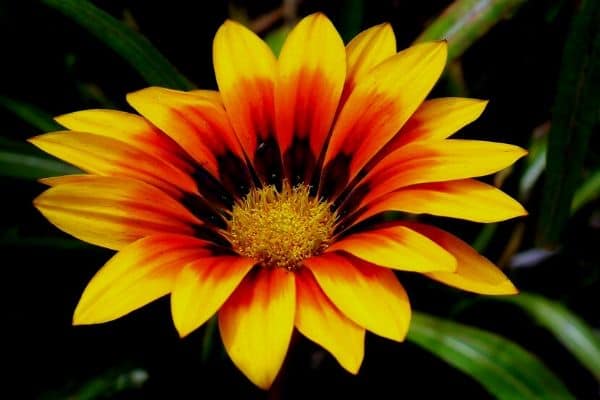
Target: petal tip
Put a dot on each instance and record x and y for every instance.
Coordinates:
(182, 331)
(35, 140)
(79, 317)
(523, 212)
(506, 288)
(63, 119)
(524, 152)
(317, 15)
(355, 368)
(229, 26)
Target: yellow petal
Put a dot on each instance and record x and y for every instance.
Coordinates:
(257, 321)
(245, 69)
(437, 119)
(436, 161)
(202, 287)
(474, 272)
(380, 104)
(370, 296)
(106, 156)
(198, 123)
(58, 180)
(320, 321)
(135, 276)
(312, 68)
(396, 247)
(127, 128)
(113, 212)
(465, 199)
(365, 51)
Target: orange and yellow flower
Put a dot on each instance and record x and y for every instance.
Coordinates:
(261, 202)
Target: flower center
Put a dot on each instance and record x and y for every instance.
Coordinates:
(281, 228)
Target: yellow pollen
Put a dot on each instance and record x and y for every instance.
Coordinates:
(281, 228)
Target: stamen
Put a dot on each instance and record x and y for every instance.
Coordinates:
(281, 228)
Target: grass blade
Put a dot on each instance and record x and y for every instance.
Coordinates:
(575, 113)
(567, 327)
(587, 192)
(465, 21)
(502, 367)
(30, 114)
(132, 46)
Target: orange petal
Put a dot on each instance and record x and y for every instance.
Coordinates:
(320, 321)
(437, 119)
(474, 272)
(465, 199)
(199, 123)
(312, 68)
(106, 156)
(446, 160)
(396, 247)
(365, 51)
(245, 68)
(378, 107)
(113, 212)
(368, 295)
(257, 321)
(202, 287)
(128, 128)
(135, 276)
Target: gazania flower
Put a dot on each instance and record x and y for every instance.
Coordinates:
(261, 202)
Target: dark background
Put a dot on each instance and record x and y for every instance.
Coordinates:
(49, 61)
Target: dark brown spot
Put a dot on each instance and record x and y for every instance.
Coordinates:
(201, 209)
(299, 161)
(349, 201)
(222, 245)
(267, 162)
(234, 174)
(211, 189)
(335, 176)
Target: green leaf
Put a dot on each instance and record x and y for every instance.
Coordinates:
(502, 367)
(23, 165)
(535, 164)
(276, 37)
(132, 46)
(587, 192)
(208, 339)
(351, 18)
(30, 114)
(22, 160)
(567, 327)
(13, 238)
(484, 237)
(574, 115)
(108, 384)
(465, 21)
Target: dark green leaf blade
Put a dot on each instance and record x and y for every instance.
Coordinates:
(567, 327)
(130, 45)
(30, 114)
(587, 192)
(465, 21)
(504, 368)
(22, 165)
(351, 18)
(574, 116)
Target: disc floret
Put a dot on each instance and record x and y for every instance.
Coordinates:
(281, 227)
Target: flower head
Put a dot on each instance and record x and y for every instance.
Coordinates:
(260, 202)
